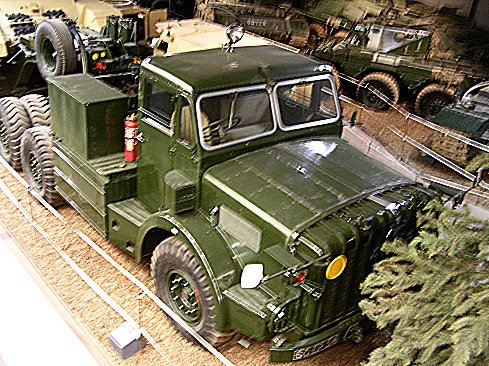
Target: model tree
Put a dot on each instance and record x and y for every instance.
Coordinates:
(433, 293)
(480, 161)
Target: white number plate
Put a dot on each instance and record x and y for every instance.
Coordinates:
(301, 353)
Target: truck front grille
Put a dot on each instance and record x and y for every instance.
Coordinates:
(364, 227)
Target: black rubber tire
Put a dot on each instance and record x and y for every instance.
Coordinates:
(13, 123)
(316, 34)
(37, 108)
(336, 76)
(431, 99)
(384, 83)
(55, 50)
(38, 163)
(173, 260)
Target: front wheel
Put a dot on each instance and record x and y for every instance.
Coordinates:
(382, 82)
(181, 283)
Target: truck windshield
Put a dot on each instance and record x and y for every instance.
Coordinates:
(306, 103)
(228, 117)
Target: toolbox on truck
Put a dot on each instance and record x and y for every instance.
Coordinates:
(88, 117)
(87, 114)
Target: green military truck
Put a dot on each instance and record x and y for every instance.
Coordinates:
(257, 217)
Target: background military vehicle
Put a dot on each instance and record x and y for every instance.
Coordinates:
(469, 116)
(281, 21)
(393, 60)
(177, 9)
(257, 217)
(397, 50)
(43, 40)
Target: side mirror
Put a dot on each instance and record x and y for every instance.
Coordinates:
(235, 33)
(252, 275)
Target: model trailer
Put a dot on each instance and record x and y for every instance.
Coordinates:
(40, 40)
(257, 217)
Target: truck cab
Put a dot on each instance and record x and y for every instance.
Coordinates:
(256, 216)
(200, 120)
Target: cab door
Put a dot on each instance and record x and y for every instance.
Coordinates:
(186, 150)
(156, 152)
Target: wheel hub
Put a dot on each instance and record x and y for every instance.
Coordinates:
(184, 296)
(435, 105)
(48, 55)
(374, 100)
(36, 172)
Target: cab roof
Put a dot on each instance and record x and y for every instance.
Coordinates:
(214, 69)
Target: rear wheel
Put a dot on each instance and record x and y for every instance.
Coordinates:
(382, 82)
(55, 50)
(432, 99)
(181, 283)
(38, 163)
(13, 123)
(37, 108)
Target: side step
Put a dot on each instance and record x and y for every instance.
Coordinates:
(250, 309)
(124, 220)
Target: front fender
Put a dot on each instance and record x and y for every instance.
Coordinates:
(207, 244)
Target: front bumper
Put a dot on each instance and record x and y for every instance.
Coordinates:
(307, 347)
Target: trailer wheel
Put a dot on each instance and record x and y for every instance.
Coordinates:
(182, 284)
(384, 83)
(432, 99)
(55, 50)
(38, 163)
(37, 108)
(13, 123)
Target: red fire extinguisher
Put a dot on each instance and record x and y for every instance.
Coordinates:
(130, 139)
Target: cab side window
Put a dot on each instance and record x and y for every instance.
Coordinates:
(159, 104)
(186, 131)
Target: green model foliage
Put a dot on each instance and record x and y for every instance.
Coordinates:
(434, 293)
(479, 162)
